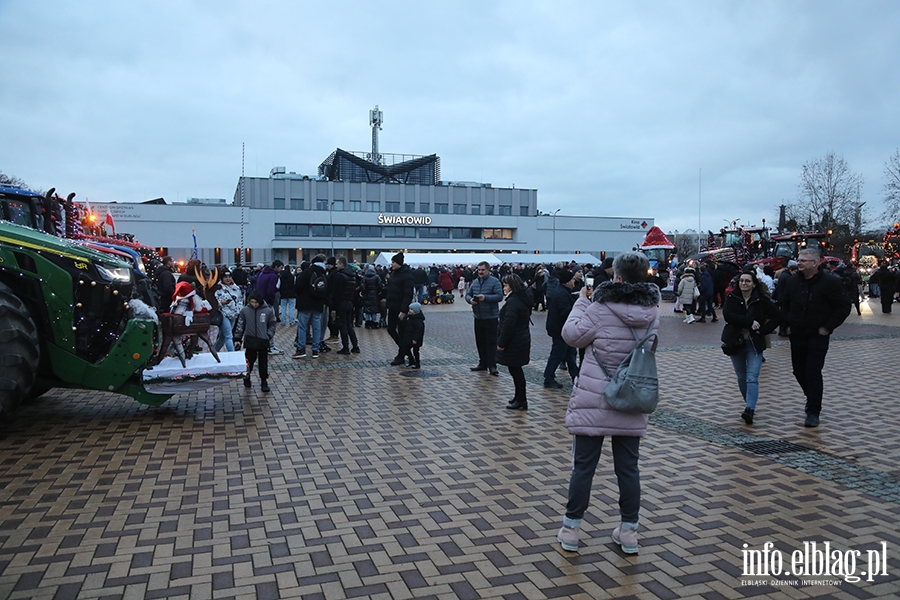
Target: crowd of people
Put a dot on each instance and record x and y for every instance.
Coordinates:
(595, 316)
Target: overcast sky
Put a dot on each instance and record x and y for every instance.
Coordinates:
(606, 108)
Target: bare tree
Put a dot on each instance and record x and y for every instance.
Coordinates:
(892, 187)
(10, 180)
(829, 194)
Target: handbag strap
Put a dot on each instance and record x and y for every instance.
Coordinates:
(640, 342)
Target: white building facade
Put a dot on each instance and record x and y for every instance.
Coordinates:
(293, 217)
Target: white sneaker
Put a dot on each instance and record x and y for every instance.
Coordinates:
(691, 319)
(275, 351)
(686, 319)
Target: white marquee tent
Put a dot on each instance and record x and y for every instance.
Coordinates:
(464, 258)
(428, 259)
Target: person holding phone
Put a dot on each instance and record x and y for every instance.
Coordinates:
(230, 299)
(484, 295)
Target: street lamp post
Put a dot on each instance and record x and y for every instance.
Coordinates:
(554, 229)
(331, 225)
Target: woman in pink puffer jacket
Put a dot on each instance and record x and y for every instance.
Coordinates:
(604, 328)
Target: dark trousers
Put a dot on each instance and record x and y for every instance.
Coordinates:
(345, 324)
(887, 298)
(411, 352)
(518, 377)
(395, 328)
(560, 352)
(807, 360)
(706, 307)
(486, 341)
(263, 356)
(586, 455)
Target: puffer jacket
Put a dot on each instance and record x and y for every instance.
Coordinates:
(372, 293)
(605, 325)
(514, 334)
(686, 288)
(400, 289)
(256, 322)
(493, 293)
(233, 294)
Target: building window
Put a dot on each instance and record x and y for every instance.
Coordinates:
(355, 206)
(459, 209)
(370, 231)
(410, 207)
(392, 207)
(424, 207)
(465, 233)
(400, 232)
(505, 209)
(340, 231)
(320, 230)
(476, 209)
(434, 232)
(498, 234)
(337, 205)
(321, 204)
(523, 211)
(489, 209)
(441, 209)
(296, 203)
(278, 204)
(291, 230)
(373, 205)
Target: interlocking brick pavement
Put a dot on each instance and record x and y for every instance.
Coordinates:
(354, 479)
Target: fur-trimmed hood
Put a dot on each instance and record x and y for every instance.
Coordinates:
(636, 294)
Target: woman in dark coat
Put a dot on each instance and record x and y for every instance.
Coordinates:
(749, 316)
(372, 288)
(539, 286)
(514, 336)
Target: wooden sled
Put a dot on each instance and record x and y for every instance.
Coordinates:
(174, 329)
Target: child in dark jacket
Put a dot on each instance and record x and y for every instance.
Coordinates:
(256, 326)
(413, 335)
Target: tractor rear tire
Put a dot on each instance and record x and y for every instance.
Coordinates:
(20, 351)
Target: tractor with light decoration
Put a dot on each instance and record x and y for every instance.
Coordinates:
(69, 312)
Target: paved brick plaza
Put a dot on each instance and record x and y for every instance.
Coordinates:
(356, 479)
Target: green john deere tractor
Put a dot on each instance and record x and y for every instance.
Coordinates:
(65, 317)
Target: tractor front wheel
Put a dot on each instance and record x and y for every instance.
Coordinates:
(20, 351)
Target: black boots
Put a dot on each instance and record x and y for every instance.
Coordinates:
(517, 405)
(747, 416)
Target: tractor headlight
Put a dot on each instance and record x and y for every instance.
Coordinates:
(114, 274)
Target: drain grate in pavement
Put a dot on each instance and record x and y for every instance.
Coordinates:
(421, 373)
(774, 447)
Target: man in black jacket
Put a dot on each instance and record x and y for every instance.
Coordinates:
(559, 305)
(165, 283)
(345, 291)
(814, 305)
(399, 295)
(310, 303)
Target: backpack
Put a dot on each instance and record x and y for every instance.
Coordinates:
(634, 387)
(318, 284)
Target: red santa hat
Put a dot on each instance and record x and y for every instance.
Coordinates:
(182, 289)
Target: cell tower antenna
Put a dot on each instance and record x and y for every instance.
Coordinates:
(376, 118)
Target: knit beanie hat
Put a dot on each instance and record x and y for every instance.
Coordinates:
(565, 276)
(415, 308)
(397, 258)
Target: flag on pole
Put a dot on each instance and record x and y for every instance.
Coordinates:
(195, 253)
(111, 223)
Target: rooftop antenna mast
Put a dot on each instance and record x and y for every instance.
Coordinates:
(376, 118)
